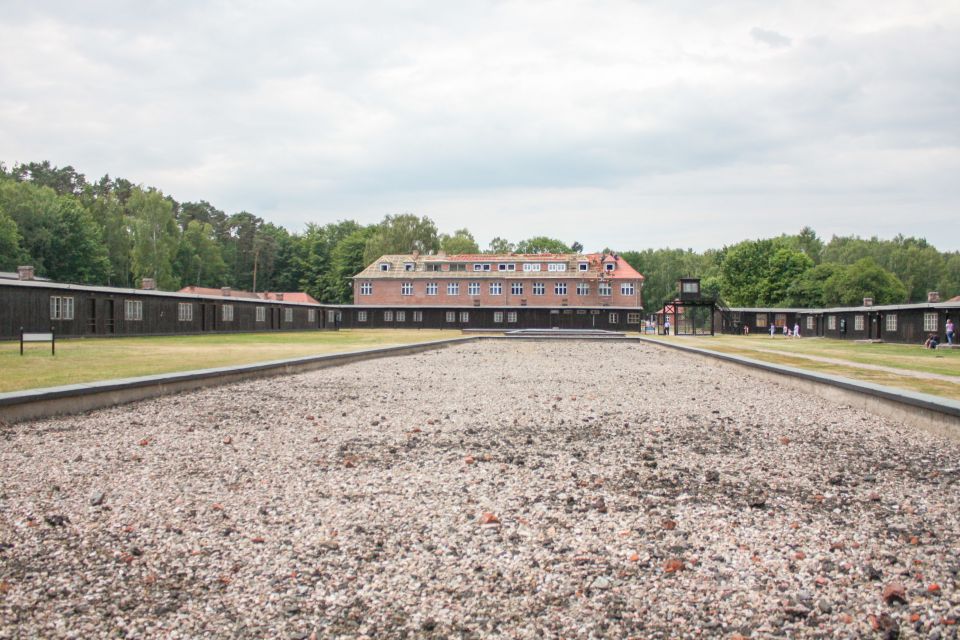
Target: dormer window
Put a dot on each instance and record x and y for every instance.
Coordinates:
(609, 266)
(482, 266)
(384, 266)
(584, 266)
(409, 266)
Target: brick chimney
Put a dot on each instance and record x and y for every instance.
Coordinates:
(25, 272)
(225, 291)
(868, 302)
(148, 284)
(933, 296)
(279, 297)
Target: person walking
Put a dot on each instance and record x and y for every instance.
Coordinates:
(666, 326)
(773, 329)
(950, 329)
(796, 329)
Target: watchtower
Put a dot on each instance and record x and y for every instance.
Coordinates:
(690, 313)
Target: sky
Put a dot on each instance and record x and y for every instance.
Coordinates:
(621, 124)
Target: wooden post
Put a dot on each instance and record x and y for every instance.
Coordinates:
(53, 342)
(21, 340)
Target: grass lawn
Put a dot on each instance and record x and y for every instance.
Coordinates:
(89, 359)
(905, 366)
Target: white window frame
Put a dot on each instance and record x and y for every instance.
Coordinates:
(604, 289)
(761, 320)
(388, 316)
(453, 288)
(432, 288)
(516, 288)
(506, 266)
(539, 289)
(288, 315)
(464, 317)
(451, 316)
(473, 289)
(810, 323)
(831, 323)
(931, 321)
(583, 289)
(511, 317)
(780, 319)
(311, 315)
(366, 288)
(627, 289)
(401, 316)
(384, 266)
(361, 316)
(531, 266)
(496, 288)
(633, 318)
(226, 313)
(613, 318)
(61, 308)
(409, 266)
(583, 266)
(406, 288)
(890, 322)
(560, 288)
(133, 310)
(858, 322)
(185, 311)
(498, 317)
(482, 266)
(556, 266)
(609, 266)
(418, 316)
(261, 314)
(691, 287)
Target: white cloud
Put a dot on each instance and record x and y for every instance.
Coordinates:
(612, 123)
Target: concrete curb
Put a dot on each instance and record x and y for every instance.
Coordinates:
(935, 414)
(42, 403)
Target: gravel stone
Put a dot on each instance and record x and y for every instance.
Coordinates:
(514, 490)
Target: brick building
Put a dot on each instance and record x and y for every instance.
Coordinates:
(500, 280)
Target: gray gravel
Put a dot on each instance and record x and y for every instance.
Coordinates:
(496, 490)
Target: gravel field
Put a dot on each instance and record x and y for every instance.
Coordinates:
(515, 490)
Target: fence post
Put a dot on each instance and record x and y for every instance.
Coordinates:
(21, 340)
(53, 342)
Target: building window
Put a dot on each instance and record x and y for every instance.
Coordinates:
(401, 316)
(451, 316)
(557, 266)
(496, 288)
(538, 289)
(930, 322)
(388, 316)
(311, 315)
(890, 322)
(482, 267)
(560, 288)
(133, 310)
(434, 267)
(609, 266)
(431, 288)
(509, 266)
(511, 317)
(384, 266)
(406, 288)
(366, 288)
(464, 316)
(761, 320)
(184, 312)
(604, 289)
(810, 323)
(832, 323)
(858, 322)
(409, 266)
(780, 319)
(226, 313)
(498, 317)
(614, 318)
(473, 288)
(361, 316)
(516, 288)
(691, 287)
(457, 266)
(61, 307)
(418, 316)
(261, 314)
(583, 289)
(633, 318)
(530, 266)
(583, 266)
(288, 315)
(453, 288)
(627, 289)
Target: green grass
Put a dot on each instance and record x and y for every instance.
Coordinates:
(91, 359)
(894, 357)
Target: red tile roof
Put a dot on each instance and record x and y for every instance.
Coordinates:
(288, 296)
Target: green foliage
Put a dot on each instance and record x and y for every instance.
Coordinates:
(77, 251)
(156, 238)
(400, 234)
(199, 259)
(460, 242)
(542, 244)
(500, 245)
(663, 268)
(850, 284)
(11, 254)
(759, 273)
(346, 261)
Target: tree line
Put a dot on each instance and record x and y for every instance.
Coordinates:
(113, 232)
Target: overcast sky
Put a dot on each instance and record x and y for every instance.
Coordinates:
(614, 123)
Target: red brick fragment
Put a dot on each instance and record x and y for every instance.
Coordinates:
(894, 592)
(673, 565)
(489, 518)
